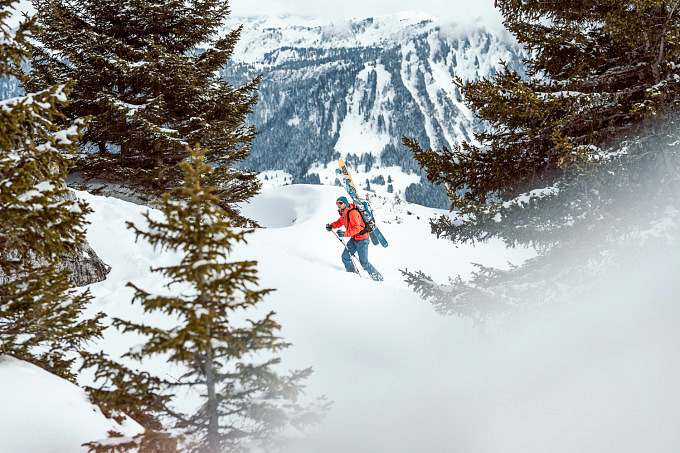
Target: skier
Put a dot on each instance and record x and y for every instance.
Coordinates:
(355, 229)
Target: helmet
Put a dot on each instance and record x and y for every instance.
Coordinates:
(343, 199)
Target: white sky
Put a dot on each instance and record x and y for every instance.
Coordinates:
(461, 11)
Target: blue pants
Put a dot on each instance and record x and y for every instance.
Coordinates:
(361, 249)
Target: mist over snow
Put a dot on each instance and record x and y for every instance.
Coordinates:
(594, 375)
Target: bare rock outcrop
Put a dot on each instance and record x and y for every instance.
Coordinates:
(85, 266)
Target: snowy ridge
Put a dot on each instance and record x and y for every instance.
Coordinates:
(265, 35)
(44, 413)
(363, 129)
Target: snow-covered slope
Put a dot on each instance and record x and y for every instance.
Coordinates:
(341, 325)
(43, 413)
(598, 375)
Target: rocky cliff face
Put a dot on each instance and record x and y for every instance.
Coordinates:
(85, 267)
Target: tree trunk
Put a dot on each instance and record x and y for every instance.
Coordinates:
(157, 155)
(213, 416)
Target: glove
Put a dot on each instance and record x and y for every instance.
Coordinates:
(328, 227)
(340, 232)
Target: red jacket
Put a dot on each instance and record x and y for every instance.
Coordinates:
(353, 224)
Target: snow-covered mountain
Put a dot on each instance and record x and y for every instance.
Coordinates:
(353, 89)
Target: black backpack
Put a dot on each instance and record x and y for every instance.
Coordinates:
(367, 228)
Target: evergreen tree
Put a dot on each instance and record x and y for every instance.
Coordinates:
(598, 69)
(40, 313)
(565, 152)
(243, 398)
(149, 89)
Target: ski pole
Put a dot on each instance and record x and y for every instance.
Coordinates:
(354, 263)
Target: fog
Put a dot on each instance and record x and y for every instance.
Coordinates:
(595, 375)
